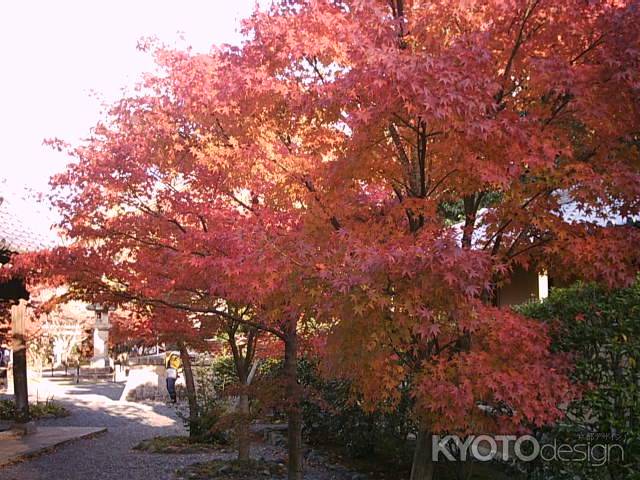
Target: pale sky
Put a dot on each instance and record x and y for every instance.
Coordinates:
(54, 54)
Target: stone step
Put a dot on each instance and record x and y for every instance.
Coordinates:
(95, 371)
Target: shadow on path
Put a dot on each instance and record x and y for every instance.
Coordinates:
(110, 390)
(110, 455)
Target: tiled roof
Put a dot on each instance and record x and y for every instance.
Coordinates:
(22, 229)
(570, 212)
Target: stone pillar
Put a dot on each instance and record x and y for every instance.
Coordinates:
(58, 348)
(100, 337)
(543, 286)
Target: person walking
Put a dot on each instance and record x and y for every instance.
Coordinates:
(172, 365)
(5, 355)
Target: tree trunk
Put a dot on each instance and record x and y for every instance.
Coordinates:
(422, 467)
(19, 347)
(464, 469)
(190, 384)
(242, 428)
(294, 470)
(244, 421)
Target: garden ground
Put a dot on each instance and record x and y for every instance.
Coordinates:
(110, 455)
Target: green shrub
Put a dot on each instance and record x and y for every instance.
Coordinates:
(7, 410)
(331, 413)
(206, 427)
(212, 376)
(601, 330)
(46, 409)
(334, 415)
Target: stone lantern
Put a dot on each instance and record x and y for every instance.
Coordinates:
(100, 336)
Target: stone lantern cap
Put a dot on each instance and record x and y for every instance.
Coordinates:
(102, 315)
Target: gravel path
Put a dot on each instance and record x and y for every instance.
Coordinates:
(109, 456)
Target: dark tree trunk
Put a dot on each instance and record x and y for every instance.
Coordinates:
(464, 469)
(20, 384)
(190, 384)
(422, 467)
(294, 413)
(19, 346)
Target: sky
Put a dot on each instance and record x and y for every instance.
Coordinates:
(61, 60)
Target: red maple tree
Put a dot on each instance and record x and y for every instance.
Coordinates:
(374, 170)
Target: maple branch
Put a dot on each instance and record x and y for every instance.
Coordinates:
(414, 173)
(397, 190)
(196, 309)
(507, 222)
(308, 184)
(563, 102)
(598, 41)
(405, 122)
(497, 244)
(252, 341)
(397, 7)
(439, 182)
(278, 249)
(453, 343)
(397, 142)
(177, 224)
(520, 38)
(232, 329)
(315, 67)
(141, 241)
(392, 4)
(203, 222)
(517, 240)
(157, 244)
(403, 357)
(422, 153)
(222, 131)
(242, 203)
(155, 213)
(532, 246)
(471, 204)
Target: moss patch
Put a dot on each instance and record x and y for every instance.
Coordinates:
(174, 444)
(233, 470)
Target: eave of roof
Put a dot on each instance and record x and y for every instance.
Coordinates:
(18, 234)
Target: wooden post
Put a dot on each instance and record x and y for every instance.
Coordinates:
(19, 347)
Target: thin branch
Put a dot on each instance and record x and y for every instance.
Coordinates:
(598, 41)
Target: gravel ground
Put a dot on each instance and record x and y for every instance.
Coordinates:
(109, 456)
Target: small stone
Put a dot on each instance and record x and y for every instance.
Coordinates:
(315, 456)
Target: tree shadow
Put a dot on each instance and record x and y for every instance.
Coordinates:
(110, 390)
(109, 455)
